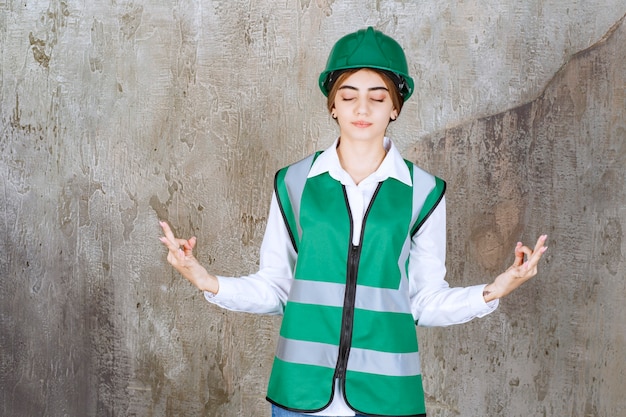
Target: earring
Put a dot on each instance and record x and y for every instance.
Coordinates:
(333, 115)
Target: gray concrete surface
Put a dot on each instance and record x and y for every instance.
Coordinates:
(114, 115)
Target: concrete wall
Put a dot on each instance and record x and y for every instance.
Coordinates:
(116, 114)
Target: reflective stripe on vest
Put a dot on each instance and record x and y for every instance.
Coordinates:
(373, 319)
(361, 360)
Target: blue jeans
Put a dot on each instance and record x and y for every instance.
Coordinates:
(281, 412)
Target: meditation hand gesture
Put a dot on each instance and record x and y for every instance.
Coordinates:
(519, 272)
(180, 256)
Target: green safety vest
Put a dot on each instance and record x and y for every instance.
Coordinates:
(348, 314)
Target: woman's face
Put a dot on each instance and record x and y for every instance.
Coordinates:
(363, 107)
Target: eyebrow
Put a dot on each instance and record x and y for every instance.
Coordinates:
(349, 87)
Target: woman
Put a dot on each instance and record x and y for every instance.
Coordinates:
(354, 254)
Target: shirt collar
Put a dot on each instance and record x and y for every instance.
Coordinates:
(393, 166)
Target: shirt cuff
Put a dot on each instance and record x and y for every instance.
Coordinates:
(236, 294)
(478, 304)
(225, 291)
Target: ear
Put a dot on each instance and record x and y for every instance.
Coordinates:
(394, 114)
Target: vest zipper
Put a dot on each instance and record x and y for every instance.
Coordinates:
(347, 320)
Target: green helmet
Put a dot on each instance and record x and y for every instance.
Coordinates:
(368, 48)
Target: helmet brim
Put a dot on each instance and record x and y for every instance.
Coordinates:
(406, 92)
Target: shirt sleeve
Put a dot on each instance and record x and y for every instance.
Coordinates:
(433, 301)
(266, 291)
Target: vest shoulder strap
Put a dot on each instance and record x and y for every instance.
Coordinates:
(434, 188)
(288, 186)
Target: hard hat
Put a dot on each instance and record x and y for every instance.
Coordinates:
(368, 48)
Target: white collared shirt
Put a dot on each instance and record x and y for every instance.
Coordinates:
(433, 302)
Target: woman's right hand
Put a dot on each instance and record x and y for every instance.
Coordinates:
(180, 256)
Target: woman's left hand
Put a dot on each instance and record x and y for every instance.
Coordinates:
(519, 272)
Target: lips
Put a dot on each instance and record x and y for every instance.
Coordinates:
(361, 124)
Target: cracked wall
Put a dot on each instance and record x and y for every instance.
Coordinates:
(554, 165)
(113, 116)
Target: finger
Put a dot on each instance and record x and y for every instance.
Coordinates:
(540, 242)
(540, 249)
(519, 255)
(534, 260)
(167, 231)
(172, 246)
(523, 250)
(172, 243)
(189, 245)
(181, 242)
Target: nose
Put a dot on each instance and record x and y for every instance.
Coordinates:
(362, 106)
